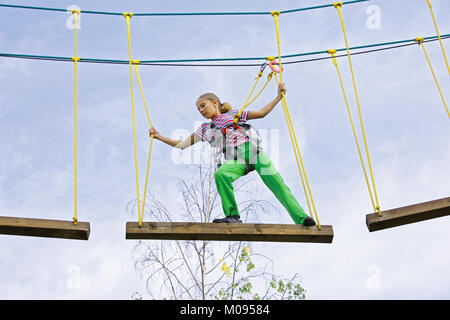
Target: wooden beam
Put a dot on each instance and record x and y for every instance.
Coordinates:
(44, 228)
(228, 232)
(409, 214)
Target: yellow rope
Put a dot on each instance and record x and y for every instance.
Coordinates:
(75, 60)
(439, 36)
(296, 151)
(151, 141)
(420, 42)
(135, 62)
(338, 7)
(275, 15)
(146, 179)
(269, 77)
(254, 86)
(247, 103)
(127, 17)
(333, 54)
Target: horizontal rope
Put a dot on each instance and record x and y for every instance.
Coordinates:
(179, 63)
(178, 13)
(321, 7)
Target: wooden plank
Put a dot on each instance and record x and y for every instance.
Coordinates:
(44, 228)
(228, 232)
(409, 214)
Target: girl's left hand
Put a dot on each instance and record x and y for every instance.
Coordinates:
(281, 89)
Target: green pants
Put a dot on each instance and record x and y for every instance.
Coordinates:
(231, 170)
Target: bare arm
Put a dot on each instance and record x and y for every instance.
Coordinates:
(264, 111)
(179, 144)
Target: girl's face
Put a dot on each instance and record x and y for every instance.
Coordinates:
(208, 108)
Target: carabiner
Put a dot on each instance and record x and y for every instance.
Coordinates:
(263, 66)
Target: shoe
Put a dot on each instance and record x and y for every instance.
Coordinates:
(229, 219)
(309, 222)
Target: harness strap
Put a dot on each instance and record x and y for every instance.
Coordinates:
(236, 126)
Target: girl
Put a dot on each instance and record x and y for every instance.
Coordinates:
(245, 155)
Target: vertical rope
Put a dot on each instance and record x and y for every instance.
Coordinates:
(338, 7)
(439, 36)
(275, 15)
(127, 17)
(151, 141)
(333, 54)
(299, 164)
(75, 60)
(420, 42)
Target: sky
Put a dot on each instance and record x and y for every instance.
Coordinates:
(406, 125)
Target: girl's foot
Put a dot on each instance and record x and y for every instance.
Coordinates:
(229, 219)
(308, 222)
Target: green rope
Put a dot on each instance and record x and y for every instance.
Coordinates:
(29, 56)
(200, 13)
(320, 7)
(290, 55)
(178, 13)
(149, 62)
(360, 47)
(31, 7)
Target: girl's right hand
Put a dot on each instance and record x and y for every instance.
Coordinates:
(281, 90)
(155, 133)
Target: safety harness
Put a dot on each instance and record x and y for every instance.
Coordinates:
(217, 139)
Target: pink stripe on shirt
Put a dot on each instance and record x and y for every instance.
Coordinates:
(222, 121)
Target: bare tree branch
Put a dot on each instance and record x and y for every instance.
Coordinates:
(190, 269)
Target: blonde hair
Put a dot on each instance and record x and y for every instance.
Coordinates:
(223, 107)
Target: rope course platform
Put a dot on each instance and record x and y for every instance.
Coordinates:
(44, 228)
(228, 232)
(409, 214)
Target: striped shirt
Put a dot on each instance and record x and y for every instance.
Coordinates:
(215, 136)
